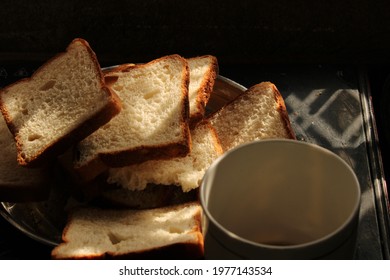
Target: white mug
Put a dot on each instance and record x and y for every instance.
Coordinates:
(280, 199)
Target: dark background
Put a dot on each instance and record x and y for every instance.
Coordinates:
(244, 31)
(243, 34)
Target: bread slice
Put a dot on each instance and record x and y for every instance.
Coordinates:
(258, 113)
(17, 183)
(203, 72)
(163, 233)
(153, 123)
(64, 101)
(186, 172)
(152, 196)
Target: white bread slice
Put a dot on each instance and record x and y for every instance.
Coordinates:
(162, 233)
(186, 172)
(203, 72)
(64, 101)
(153, 123)
(258, 113)
(17, 183)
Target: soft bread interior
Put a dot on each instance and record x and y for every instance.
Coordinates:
(154, 111)
(95, 232)
(186, 172)
(258, 113)
(60, 96)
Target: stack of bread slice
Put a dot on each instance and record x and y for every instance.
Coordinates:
(141, 134)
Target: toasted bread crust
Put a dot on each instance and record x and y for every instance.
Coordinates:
(206, 89)
(102, 162)
(141, 154)
(152, 196)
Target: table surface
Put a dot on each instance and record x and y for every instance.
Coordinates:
(329, 105)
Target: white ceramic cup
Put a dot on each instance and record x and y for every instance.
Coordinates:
(280, 199)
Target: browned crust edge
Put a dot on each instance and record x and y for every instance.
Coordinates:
(205, 89)
(283, 112)
(142, 154)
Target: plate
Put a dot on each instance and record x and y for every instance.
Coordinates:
(44, 221)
